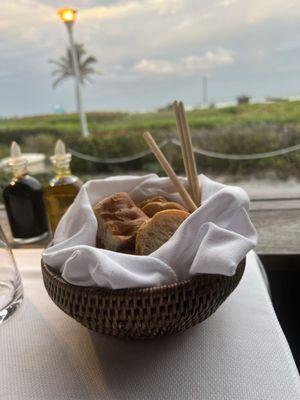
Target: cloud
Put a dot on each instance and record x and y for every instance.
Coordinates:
(134, 39)
(225, 3)
(167, 6)
(186, 66)
(132, 8)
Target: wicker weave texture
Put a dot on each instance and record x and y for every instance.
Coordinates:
(145, 312)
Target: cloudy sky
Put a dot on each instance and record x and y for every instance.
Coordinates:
(150, 52)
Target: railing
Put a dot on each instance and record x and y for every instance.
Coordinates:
(197, 150)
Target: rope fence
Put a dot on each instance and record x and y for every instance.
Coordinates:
(256, 156)
(118, 160)
(197, 150)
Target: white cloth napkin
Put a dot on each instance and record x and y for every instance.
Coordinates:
(213, 239)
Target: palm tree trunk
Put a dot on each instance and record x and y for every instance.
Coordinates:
(83, 121)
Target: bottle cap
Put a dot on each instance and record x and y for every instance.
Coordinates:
(17, 161)
(60, 158)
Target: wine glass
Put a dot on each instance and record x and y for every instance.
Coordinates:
(11, 289)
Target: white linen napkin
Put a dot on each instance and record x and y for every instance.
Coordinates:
(213, 239)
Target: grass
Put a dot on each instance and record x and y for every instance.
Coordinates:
(109, 122)
(251, 128)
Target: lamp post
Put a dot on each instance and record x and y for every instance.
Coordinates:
(68, 15)
(204, 91)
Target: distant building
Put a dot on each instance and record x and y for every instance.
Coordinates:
(58, 109)
(243, 99)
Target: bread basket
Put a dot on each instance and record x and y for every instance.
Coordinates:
(142, 313)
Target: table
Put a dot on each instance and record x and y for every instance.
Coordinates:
(266, 216)
(239, 353)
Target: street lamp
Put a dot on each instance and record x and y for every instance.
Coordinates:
(204, 92)
(68, 16)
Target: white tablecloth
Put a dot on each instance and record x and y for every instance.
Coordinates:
(240, 353)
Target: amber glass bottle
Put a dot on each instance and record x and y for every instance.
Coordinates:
(23, 199)
(63, 188)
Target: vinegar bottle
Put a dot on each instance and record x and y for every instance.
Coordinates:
(63, 188)
(23, 199)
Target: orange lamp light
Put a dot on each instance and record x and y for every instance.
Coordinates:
(67, 15)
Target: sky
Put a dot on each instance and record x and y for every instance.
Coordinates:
(149, 52)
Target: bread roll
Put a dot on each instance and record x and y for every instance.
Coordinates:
(118, 221)
(158, 230)
(152, 208)
(157, 199)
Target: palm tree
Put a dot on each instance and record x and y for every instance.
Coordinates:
(65, 67)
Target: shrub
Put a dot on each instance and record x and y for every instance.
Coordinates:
(244, 129)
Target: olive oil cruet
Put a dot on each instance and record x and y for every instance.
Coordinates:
(62, 188)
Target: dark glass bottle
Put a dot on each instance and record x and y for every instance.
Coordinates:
(23, 199)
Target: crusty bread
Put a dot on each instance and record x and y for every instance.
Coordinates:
(154, 207)
(156, 231)
(118, 221)
(157, 199)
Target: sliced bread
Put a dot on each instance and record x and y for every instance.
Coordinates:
(154, 207)
(156, 199)
(153, 233)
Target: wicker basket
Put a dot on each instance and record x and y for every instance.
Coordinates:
(145, 312)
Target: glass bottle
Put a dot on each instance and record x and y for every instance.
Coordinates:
(24, 202)
(63, 188)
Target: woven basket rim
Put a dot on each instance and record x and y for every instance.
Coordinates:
(92, 289)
